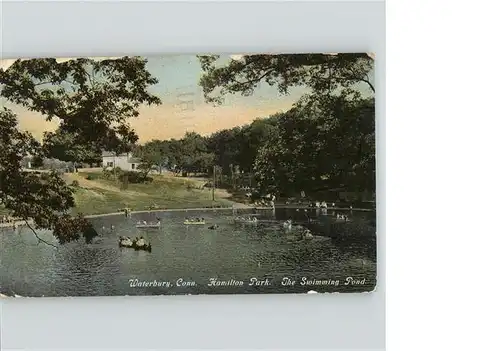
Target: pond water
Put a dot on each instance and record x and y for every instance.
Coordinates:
(194, 259)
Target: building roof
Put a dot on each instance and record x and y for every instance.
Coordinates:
(111, 154)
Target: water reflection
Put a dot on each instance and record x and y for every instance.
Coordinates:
(194, 253)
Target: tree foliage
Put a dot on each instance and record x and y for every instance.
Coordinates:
(326, 140)
(153, 154)
(321, 73)
(316, 148)
(45, 197)
(92, 101)
(195, 156)
(64, 147)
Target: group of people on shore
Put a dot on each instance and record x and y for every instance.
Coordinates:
(128, 212)
(8, 221)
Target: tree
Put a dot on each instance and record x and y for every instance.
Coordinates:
(252, 137)
(320, 145)
(195, 156)
(37, 161)
(326, 139)
(153, 154)
(92, 101)
(63, 146)
(321, 73)
(226, 146)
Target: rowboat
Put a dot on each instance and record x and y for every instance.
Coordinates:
(156, 226)
(147, 225)
(194, 223)
(146, 247)
(246, 220)
(136, 244)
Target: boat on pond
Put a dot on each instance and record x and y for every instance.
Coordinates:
(250, 220)
(145, 225)
(136, 244)
(197, 221)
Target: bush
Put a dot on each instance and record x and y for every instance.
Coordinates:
(75, 183)
(107, 174)
(134, 177)
(91, 177)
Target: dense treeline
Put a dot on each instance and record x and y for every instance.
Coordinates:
(319, 144)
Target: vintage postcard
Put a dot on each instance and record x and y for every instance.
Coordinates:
(187, 174)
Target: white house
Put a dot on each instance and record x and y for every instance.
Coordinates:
(124, 161)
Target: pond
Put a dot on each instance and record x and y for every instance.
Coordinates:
(235, 258)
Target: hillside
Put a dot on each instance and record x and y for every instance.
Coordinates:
(97, 195)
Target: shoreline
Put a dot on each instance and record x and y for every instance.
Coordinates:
(16, 223)
(239, 207)
(167, 210)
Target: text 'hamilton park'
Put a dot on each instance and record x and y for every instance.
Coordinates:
(253, 281)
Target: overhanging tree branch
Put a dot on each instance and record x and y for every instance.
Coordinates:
(40, 240)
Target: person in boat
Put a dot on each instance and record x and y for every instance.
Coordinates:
(125, 241)
(140, 242)
(144, 222)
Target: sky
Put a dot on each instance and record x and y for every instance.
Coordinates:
(183, 107)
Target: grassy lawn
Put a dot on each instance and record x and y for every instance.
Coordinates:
(99, 196)
(105, 195)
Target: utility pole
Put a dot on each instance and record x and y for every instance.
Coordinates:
(213, 186)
